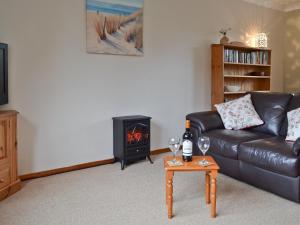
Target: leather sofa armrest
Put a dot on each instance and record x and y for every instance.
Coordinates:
(206, 121)
(296, 147)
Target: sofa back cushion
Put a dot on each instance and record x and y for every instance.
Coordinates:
(293, 104)
(271, 107)
(239, 113)
(293, 132)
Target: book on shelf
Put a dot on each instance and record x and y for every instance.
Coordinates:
(253, 57)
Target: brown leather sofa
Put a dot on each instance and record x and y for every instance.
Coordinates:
(259, 156)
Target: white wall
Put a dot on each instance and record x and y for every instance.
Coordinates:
(66, 97)
(292, 52)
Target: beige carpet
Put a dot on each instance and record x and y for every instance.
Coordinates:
(136, 196)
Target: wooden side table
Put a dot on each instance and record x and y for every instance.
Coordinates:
(211, 173)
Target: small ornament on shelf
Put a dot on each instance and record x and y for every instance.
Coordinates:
(224, 39)
(261, 40)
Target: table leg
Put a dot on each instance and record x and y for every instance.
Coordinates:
(213, 177)
(170, 193)
(167, 188)
(207, 187)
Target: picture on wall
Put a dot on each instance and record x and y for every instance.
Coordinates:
(115, 26)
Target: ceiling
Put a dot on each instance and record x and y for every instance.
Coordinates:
(283, 5)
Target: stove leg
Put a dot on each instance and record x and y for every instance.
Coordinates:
(122, 164)
(148, 156)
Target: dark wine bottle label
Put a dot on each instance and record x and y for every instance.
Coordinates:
(187, 148)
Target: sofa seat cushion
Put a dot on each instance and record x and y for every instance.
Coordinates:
(225, 142)
(273, 154)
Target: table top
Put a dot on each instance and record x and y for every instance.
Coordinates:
(192, 165)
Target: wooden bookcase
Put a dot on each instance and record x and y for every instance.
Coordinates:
(246, 67)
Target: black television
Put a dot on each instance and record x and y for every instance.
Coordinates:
(3, 74)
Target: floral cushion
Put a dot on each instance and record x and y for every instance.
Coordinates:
(293, 125)
(239, 114)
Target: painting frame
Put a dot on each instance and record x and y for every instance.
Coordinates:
(115, 27)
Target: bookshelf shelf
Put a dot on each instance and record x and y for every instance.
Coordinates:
(240, 92)
(246, 64)
(231, 65)
(234, 93)
(247, 48)
(246, 77)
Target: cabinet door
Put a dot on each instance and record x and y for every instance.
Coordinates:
(4, 148)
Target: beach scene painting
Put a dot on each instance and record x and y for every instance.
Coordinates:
(115, 27)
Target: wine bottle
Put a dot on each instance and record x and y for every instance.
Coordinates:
(187, 143)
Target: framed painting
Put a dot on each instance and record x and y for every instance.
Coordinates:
(114, 27)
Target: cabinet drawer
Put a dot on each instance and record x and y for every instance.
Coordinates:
(137, 151)
(4, 178)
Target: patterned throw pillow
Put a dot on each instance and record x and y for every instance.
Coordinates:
(293, 125)
(239, 113)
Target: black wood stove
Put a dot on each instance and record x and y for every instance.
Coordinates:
(131, 138)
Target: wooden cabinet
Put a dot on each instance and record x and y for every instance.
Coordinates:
(9, 179)
(240, 67)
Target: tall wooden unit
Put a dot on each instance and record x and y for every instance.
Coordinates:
(9, 179)
(245, 67)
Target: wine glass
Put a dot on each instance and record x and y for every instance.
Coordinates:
(174, 145)
(203, 144)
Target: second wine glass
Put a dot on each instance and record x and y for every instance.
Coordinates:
(203, 144)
